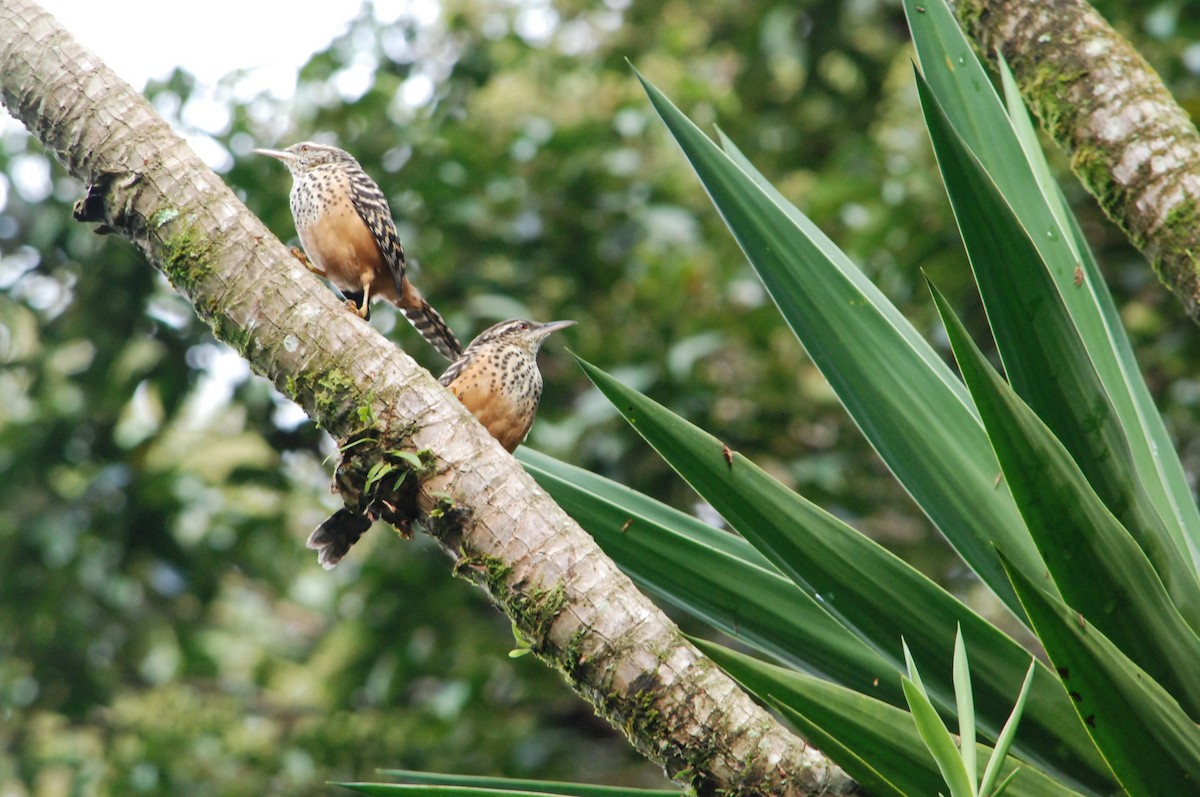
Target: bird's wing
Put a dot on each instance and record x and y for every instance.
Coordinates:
(372, 207)
(456, 368)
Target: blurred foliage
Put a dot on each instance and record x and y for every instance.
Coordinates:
(163, 629)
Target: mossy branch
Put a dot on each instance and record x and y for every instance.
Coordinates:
(1130, 143)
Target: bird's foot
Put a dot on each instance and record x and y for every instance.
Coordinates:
(298, 253)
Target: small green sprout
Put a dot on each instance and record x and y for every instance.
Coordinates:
(376, 473)
(523, 647)
(957, 762)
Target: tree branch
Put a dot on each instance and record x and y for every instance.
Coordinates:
(579, 612)
(1130, 143)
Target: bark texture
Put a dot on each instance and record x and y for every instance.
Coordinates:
(579, 612)
(1130, 143)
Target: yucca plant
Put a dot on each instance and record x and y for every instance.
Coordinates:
(1056, 484)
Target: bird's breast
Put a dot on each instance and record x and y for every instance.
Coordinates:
(502, 391)
(334, 236)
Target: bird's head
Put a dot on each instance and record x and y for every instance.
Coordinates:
(306, 155)
(529, 335)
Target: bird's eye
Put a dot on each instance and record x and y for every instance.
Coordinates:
(522, 326)
(304, 148)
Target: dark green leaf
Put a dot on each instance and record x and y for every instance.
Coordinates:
(1147, 739)
(1095, 562)
(840, 721)
(892, 383)
(507, 787)
(964, 91)
(1045, 359)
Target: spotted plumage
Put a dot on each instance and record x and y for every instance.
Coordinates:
(498, 380)
(346, 229)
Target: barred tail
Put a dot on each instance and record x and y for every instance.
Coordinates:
(427, 321)
(333, 539)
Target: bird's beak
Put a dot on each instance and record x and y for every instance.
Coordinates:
(278, 154)
(554, 326)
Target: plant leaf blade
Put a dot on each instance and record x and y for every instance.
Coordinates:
(908, 404)
(1152, 746)
(712, 574)
(1044, 357)
(1093, 559)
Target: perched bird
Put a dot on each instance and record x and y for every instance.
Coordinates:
(346, 228)
(498, 380)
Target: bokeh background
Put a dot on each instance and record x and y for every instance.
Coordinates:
(162, 628)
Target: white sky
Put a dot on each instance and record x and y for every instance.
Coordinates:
(265, 41)
(210, 38)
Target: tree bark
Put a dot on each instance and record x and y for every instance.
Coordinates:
(579, 612)
(1129, 142)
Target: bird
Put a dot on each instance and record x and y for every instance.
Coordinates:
(498, 380)
(345, 226)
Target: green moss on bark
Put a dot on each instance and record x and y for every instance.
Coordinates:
(186, 258)
(1048, 91)
(333, 398)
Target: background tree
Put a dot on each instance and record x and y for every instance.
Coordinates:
(536, 172)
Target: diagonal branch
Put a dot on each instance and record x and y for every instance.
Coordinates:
(1130, 143)
(579, 612)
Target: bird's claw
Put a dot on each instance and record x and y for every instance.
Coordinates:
(298, 253)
